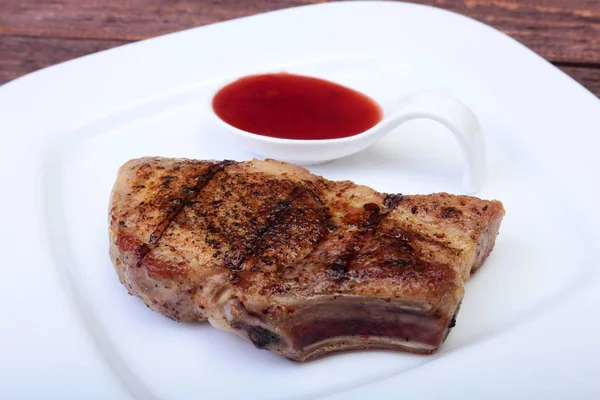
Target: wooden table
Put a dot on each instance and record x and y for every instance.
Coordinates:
(38, 33)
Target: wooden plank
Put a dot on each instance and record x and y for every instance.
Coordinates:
(559, 30)
(588, 77)
(124, 20)
(21, 55)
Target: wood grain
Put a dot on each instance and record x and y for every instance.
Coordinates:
(124, 20)
(588, 77)
(558, 30)
(21, 55)
(38, 33)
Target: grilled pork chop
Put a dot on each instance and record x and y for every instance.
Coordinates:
(296, 264)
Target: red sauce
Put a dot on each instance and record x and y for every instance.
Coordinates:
(295, 107)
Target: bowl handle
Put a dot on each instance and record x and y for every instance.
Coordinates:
(455, 116)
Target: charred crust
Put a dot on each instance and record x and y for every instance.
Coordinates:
(339, 268)
(261, 338)
(450, 212)
(391, 201)
(235, 263)
(371, 207)
(452, 322)
(167, 180)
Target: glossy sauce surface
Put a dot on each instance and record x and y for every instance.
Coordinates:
(292, 106)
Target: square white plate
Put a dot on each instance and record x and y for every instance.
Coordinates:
(528, 323)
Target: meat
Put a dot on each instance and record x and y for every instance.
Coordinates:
(296, 264)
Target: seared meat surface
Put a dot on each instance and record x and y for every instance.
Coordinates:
(292, 262)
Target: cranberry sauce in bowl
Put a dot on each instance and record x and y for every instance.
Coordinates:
(289, 106)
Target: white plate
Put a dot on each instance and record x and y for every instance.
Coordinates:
(529, 323)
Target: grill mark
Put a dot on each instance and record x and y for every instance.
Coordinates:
(339, 268)
(251, 248)
(408, 234)
(191, 193)
(180, 204)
